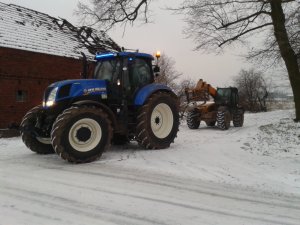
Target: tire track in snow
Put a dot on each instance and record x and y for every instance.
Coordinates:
(71, 208)
(74, 207)
(200, 187)
(163, 182)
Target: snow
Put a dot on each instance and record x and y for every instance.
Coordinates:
(29, 30)
(248, 175)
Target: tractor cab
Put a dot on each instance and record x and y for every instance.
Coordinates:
(125, 72)
(227, 96)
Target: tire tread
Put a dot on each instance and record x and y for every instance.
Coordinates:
(31, 142)
(193, 119)
(63, 118)
(143, 132)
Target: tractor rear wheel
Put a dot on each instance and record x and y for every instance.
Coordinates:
(238, 118)
(30, 138)
(193, 119)
(80, 134)
(223, 119)
(158, 121)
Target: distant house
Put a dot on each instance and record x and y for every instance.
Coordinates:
(36, 50)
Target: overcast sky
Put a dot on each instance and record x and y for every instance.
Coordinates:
(165, 34)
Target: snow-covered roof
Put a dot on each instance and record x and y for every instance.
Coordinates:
(26, 29)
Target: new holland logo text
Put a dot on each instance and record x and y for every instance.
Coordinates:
(93, 90)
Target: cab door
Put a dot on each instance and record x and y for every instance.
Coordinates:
(110, 71)
(137, 75)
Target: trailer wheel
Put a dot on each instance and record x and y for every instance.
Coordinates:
(238, 118)
(30, 138)
(193, 119)
(81, 134)
(223, 120)
(158, 121)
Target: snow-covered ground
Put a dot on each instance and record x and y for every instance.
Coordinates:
(248, 175)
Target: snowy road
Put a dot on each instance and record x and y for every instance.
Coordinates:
(49, 192)
(207, 177)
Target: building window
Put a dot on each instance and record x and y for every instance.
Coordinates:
(21, 96)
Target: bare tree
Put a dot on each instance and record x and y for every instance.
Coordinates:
(214, 24)
(108, 13)
(171, 77)
(168, 74)
(253, 90)
(269, 53)
(218, 23)
(184, 84)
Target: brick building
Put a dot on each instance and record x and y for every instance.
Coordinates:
(35, 51)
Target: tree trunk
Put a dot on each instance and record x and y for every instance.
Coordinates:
(286, 51)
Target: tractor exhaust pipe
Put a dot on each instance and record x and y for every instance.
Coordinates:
(84, 73)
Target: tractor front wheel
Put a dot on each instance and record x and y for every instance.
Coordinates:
(223, 119)
(193, 119)
(81, 134)
(30, 135)
(158, 121)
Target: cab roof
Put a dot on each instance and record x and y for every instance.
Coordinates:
(110, 55)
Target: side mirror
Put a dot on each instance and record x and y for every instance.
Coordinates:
(156, 69)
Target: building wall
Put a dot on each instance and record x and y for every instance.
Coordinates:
(23, 72)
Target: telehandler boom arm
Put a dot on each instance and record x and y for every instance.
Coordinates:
(201, 92)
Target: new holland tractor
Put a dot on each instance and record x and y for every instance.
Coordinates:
(79, 119)
(221, 111)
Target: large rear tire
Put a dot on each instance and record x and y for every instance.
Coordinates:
(81, 134)
(30, 138)
(158, 121)
(193, 119)
(223, 119)
(238, 118)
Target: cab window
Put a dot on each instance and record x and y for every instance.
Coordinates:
(224, 93)
(107, 70)
(140, 73)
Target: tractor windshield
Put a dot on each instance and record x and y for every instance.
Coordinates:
(224, 93)
(107, 70)
(223, 96)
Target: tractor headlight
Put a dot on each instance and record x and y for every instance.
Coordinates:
(51, 98)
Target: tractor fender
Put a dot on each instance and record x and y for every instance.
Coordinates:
(144, 93)
(105, 108)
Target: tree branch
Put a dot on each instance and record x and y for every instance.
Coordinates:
(243, 33)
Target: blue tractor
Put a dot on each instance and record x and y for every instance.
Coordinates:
(79, 119)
